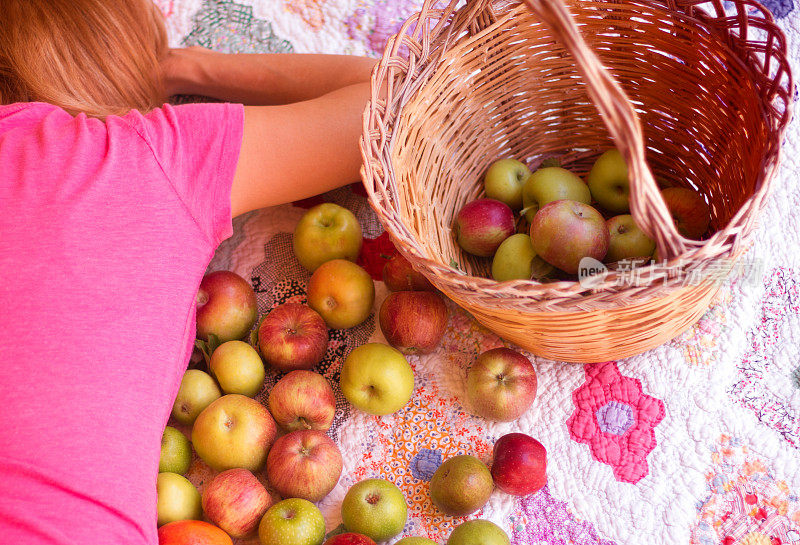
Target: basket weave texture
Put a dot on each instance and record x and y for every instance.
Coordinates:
(686, 92)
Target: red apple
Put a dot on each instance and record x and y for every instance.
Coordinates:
(192, 532)
(689, 210)
(399, 275)
(482, 225)
(235, 501)
(302, 400)
(501, 384)
(226, 306)
(304, 464)
(349, 538)
(293, 336)
(413, 321)
(564, 232)
(520, 464)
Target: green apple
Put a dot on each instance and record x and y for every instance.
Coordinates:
(504, 180)
(626, 240)
(342, 293)
(461, 485)
(552, 184)
(375, 508)
(176, 452)
(196, 392)
(478, 532)
(516, 259)
(608, 182)
(326, 232)
(294, 521)
(178, 499)
(238, 368)
(414, 540)
(377, 379)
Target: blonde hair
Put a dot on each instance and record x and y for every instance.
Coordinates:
(99, 57)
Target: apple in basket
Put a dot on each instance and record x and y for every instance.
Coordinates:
(516, 259)
(377, 379)
(461, 485)
(564, 232)
(478, 531)
(504, 180)
(519, 464)
(226, 306)
(327, 231)
(552, 184)
(608, 182)
(304, 464)
(195, 532)
(293, 521)
(238, 368)
(501, 384)
(413, 321)
(626, 240)
(375, 508)
(234, 431)
(399, 275)
(196, 392)
(482, 225)
(292, 336)
(235, 501)
(342, 293)
(302, 400)
(689, 210)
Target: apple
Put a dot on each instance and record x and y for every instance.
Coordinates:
(238, 368)
(504, 180)
(519, 466)
(234, 431)
(478, 532)
(482, 225)
(689, 210)
(375, 508)
(293, 336)
(564, 232)
(377, 379)
(413, 321)
(414, 540)
(196, 392)
(501, 384)
(342, 292)
(192, 532)
(349, 538)
(326, 232)
(304, 464)
(235, 501)
(608, 182)
(399, 275)
(292, 521)
(626, 240)
(516, 259)
(302, 400)
(178, 499)
(461, 485)
(176, 452)
(552, 184)
(226, 306)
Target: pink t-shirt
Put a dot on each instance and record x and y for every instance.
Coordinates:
(106, 229)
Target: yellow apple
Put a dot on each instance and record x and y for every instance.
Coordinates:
(342, 293)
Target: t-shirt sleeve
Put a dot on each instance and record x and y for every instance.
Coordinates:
(197, 147)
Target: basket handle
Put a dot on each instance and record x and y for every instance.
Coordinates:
(622, 122)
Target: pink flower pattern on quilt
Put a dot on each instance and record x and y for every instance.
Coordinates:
(616, 419)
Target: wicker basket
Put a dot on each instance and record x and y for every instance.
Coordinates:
(686, 93)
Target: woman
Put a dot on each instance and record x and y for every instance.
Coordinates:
(112, 206)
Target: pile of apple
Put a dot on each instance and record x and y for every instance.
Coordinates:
(564, 227)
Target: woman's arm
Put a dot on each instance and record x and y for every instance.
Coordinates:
(265, 79)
